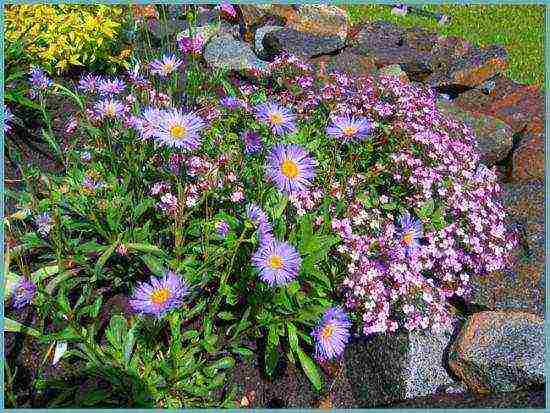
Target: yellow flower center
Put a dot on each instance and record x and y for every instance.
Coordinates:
(275, 262)
(276, 118)
(327, 332)
(408, 238)
(168, 68)
(177, 131)
(350, 130)
(110, 110)
(160, 296)
(289, 169)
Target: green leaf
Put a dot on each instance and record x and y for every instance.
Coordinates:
(226, 315)
(13, 326)
(293, 337)
(271, 359)
(103, 259)
(154, 264)
(50, 287)
(44, 272)
(272, 353)
(51, 141)
(224, 363)
(427, 210)
(190, 334)
(311, 370)
(243, 351)
(117, 331)
(147, 248)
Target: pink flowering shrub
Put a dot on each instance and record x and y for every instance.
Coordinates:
(427, 166)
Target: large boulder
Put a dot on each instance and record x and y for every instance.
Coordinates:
(321, 20)
(493, 136)
(387, 368)
(520, 285)
(224, 51)
(500, 351)
(301, 44)
(473, 68)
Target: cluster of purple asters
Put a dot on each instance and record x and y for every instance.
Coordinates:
(159, 295)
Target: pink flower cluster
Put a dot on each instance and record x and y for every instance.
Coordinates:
(436, 162)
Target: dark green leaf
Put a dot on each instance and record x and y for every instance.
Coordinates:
(311, 370)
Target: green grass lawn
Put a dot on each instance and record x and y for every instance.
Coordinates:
(518, 28)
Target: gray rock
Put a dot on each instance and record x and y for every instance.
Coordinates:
(305, 45)
(259, 37)
(500, 351)
(472, 68)
(379, 34)
(225, 52)
(516, 400)
(493, 136)
(386, 368)
(521, 285)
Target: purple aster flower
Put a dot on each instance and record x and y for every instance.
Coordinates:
(252, 142)
(39, 81)
(160, 295)
(150, 122)
(291, 168)
(256, 214)
(44, 223)
(178, 129)
(109, 108)
(111, 86)
(280, 119)
(8, 118)
(231, 102)
(191, 45)
(227, 9)
(331, 334)
(411, 232)
(89, 83)
(136, 78)
(23, 293)
(350, 128)
(165, 66)
(260, 218)
(90, 184)
(223, 228)
(278, 262)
